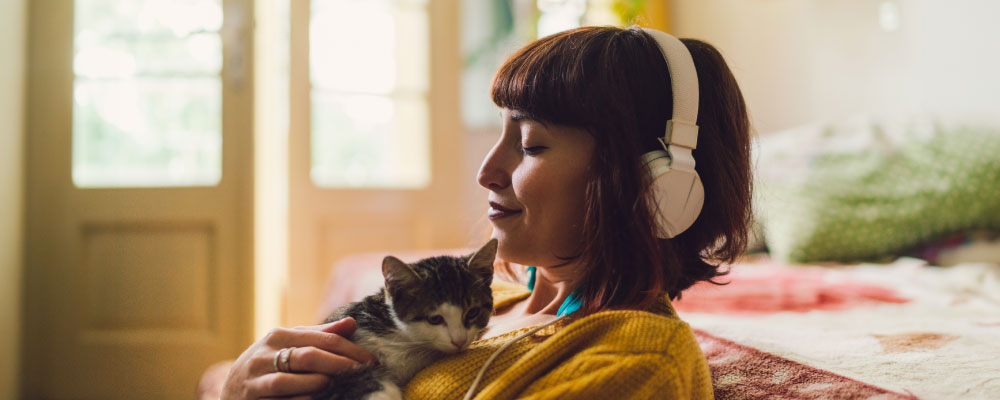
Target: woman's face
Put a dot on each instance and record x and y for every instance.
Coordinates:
(537, 176)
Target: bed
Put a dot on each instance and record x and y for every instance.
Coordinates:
(904, 329)
(879, 267)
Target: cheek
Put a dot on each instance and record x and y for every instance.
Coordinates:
(555, 200)
(472, 334)
(551, 194)
(436, 333)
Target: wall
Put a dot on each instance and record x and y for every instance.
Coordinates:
(12, 51)
(802, 61)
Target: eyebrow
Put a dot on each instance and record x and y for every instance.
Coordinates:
(518, 115)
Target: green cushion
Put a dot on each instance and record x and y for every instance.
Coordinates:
(867, 189)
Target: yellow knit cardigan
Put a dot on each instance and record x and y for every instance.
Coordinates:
(608, 355)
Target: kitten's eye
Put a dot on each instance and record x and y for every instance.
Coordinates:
(435, 320)
(471, 314)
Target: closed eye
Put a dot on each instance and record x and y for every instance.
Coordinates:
(435, 320)
(472, 314)
(533, 150)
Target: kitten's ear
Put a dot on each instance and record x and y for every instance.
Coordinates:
(398, 272)
(481, 262)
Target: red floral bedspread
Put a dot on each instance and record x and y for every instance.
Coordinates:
(893, 331)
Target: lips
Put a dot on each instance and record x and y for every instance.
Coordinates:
(497, 211)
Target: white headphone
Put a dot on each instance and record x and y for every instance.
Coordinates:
(677, 187)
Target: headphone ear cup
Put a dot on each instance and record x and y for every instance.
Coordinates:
(679, 195)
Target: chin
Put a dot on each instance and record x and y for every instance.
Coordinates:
(508, 251)
(520, 258)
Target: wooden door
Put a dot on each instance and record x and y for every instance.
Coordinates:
(138, 276)
(329, 221)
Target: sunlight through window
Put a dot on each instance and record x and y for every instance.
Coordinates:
(147, 100)
(559, 15)
(368, 69)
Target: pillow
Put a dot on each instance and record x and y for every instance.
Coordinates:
(869, 188)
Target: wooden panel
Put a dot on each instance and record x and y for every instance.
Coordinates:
(149, 277)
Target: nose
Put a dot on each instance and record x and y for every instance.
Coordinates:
(458, 342)
(492, 173)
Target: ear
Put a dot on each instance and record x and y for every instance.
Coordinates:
(397, 272)
(481, 262)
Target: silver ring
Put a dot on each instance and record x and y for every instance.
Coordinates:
(282, 358)
(277, 356)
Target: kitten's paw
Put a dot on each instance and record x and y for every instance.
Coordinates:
(389, 392)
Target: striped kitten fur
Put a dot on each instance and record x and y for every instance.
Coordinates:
(428, 309)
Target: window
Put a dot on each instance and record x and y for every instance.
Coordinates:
(493, 30)
(147, 95)
(368, 62)
(559, 15)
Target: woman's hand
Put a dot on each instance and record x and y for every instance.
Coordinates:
(320, 351)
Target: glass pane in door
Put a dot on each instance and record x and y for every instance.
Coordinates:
(368, 72)
(147, 101)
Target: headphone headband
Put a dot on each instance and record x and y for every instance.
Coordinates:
(682, 128)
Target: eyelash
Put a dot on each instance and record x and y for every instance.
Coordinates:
(533, 150)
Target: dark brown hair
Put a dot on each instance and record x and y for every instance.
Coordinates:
(614, 83)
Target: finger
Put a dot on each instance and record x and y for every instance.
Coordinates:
(330, 342)
(306, 360)
(311, 359)
(343, 327)
(283, 384)
(314, 352)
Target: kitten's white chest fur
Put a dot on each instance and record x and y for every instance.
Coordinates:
(398, 354)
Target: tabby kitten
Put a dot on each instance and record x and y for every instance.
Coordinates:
(428, 309)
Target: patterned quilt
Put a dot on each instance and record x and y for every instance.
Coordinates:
(866, 331)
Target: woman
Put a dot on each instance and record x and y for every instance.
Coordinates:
(570, 195)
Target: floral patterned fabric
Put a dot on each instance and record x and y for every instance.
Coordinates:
(867, 331)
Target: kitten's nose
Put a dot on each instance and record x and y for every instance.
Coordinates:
(458, 343)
